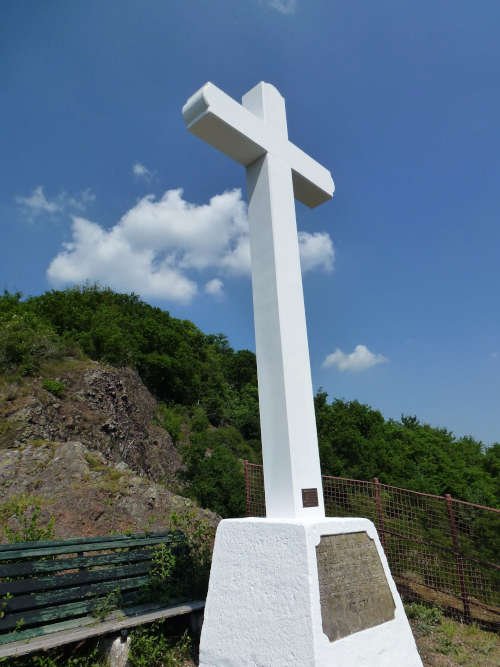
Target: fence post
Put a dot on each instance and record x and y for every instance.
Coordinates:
(380, 516)
(247, 487)
(458, 558)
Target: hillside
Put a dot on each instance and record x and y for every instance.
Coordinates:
(180, 407)
(90, 456)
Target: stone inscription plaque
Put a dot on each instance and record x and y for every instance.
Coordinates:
(353, 589)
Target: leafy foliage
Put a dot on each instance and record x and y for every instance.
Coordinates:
(26, 338)
(209, 402)
(54, 386)
(150, 647)
(438, 636)
(214, 473)
(193, 565)
(163, 563)
(104, 606)
(172, 418)
(164, 579)
(355, 441)
(176, 360)
(215, 476)
(425, 616)
(26, 510)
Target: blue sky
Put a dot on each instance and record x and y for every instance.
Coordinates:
(401, 101)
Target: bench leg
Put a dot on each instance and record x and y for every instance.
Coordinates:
(116, 649)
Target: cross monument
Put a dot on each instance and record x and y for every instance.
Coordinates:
(255, 134)
(294, 589)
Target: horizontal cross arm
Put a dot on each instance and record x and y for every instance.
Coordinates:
(312, 183)
(219, 120)
(225, 124)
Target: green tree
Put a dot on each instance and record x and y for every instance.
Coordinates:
(211, 392)
(355, 441)
(214, 474)
(25, 341)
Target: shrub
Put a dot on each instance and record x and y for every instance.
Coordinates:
(104, 606)
(27, 512)
(163, 563)
(172, 419)
(199, 420)
(163, 582)
(193, 565)
(54, 387)
(215, 476)
(149, 647)
(25, 341)
(425, 617)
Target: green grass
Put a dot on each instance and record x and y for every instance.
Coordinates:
(151, 648)
(111, 479)
(95, 463)
(443, 641)
(9, 431)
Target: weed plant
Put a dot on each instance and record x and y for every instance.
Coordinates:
(26, 510)
(150, 647)
(54, 387)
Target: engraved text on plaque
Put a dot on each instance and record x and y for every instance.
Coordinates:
(353, 588)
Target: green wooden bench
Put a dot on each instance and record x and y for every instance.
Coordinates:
(50, 591)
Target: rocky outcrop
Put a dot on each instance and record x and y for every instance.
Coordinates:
(92, 457)
(104, 408)
(83, 492)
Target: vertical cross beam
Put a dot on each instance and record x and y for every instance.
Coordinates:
(287, 419)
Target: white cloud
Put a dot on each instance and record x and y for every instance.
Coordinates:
(38, 203)
(80, 202)
(237, 259)
(316, 251)
(158, 246)
(284, 6)
(141, 171)
(494, 355)
(359, 360)
(215, 287)
(108, 257)
(154, 245)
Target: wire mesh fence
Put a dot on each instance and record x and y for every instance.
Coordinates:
(440, 550)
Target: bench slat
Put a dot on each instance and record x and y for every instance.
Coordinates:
(61, 581)
(48, 599)
(51, 603)
(41, 630)
(53, 614)
(14, 546)
(42, 566)
(68, 632)
(95, 546)
(63, 610)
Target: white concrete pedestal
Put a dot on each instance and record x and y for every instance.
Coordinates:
(263, 605)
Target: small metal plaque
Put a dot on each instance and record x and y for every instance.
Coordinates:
(353, 589)
(310, 498)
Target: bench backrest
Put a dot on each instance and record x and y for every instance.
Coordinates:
(58, 581)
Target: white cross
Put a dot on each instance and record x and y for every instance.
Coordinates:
(255, 135)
